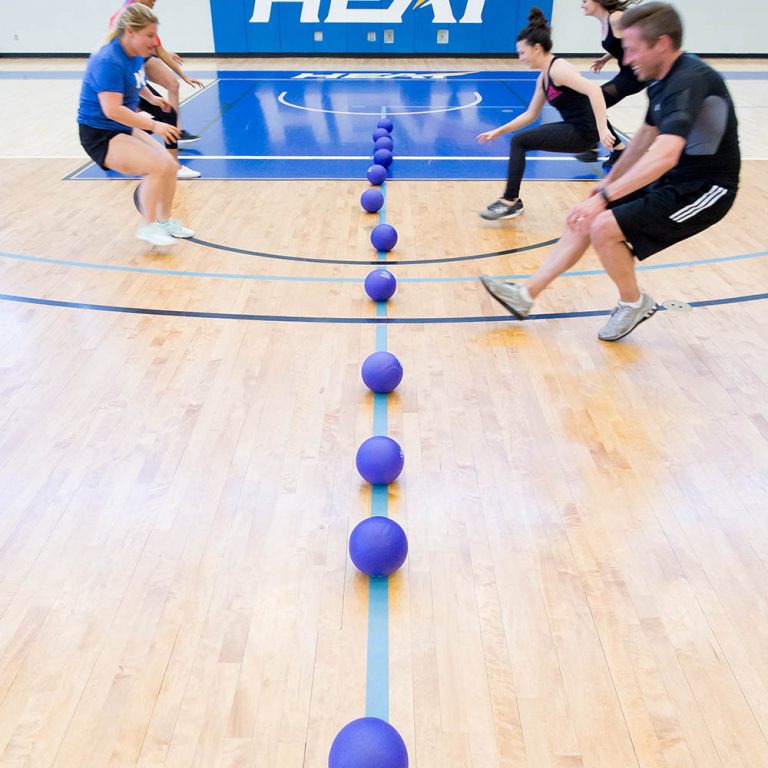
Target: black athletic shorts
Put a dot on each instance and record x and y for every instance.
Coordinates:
(664, 213)
(95, 141)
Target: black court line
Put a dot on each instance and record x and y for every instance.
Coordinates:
(348, 320)
(377, 262)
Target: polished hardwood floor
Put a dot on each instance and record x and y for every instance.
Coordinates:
(586, 580)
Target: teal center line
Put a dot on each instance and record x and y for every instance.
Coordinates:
(377, 665)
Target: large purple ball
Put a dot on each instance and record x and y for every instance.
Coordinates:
(379, 132)
(378, 546)
(386, 124)
(383, 157)
(372, 200)
(368, 742)
(380, 284)
(384, 143)
(380, 460)
(377, 174)
(381, 372)
(383, 237)
(137, 198)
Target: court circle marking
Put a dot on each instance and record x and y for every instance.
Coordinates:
(281, 98)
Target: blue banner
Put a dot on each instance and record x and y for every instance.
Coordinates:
(379, 27)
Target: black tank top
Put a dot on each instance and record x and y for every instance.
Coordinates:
(612, 44)
(574, 107)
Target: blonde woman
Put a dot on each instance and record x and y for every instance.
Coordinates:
(163, 68)
(116, 136)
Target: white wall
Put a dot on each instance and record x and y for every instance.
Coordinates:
(53, 26)
(710, 26)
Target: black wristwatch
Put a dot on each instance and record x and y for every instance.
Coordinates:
(604, 195)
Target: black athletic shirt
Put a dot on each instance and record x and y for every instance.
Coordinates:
(692, 101)
(574, 107)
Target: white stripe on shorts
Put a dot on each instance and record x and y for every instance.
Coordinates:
(705, 201)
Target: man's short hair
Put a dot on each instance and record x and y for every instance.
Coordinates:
(654, 20)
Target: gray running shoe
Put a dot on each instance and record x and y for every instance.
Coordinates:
(500, 210)
(508, 295)
(624, 319)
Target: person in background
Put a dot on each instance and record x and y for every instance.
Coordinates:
(578, 100)
(609, 13)
(116, 136)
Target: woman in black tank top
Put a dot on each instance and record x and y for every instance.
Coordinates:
(579, 101)
(609, 13)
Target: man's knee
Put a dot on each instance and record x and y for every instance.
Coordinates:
(605, 229)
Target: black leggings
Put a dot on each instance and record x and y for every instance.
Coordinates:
(623, 85)
(159, 115)
(550, 137)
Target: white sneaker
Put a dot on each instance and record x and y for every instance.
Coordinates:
(508, 295)
(154, 234)
(175, 228)
(185, 172)
(624, 318)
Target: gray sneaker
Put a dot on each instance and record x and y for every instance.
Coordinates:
(501, 210)
(508, 295)
(624, 319)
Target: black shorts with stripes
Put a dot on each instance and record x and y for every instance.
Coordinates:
(664, 213)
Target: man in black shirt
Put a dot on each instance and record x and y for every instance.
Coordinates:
(678, 177)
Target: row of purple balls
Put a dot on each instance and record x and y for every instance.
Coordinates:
(378, 545)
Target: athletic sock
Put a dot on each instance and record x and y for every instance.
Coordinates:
(634, 304)
(525, 294)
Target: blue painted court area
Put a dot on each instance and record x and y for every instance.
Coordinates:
(318, 125)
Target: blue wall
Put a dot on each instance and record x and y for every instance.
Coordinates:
(414, 31)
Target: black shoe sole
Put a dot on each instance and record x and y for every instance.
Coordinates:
(501, 301)
(642, 320)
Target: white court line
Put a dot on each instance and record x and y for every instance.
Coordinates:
(281, 99)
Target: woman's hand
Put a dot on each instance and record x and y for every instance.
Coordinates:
(607, 139)
(195, 83)
(168, 133)
(159, 101)
(487, 136)
(597, 65)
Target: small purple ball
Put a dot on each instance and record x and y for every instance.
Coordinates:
(386, 124)
(380, 460)
(380, 285)
(381, 372)
(384, 143)
(377, 174)
(368, 742)
(372, 200)
(383, 157)
(379, 132)
(383, 237)
(378, 546)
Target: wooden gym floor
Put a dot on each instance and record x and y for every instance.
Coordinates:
(586, 581)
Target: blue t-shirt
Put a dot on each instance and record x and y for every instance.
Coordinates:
(110, 69)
